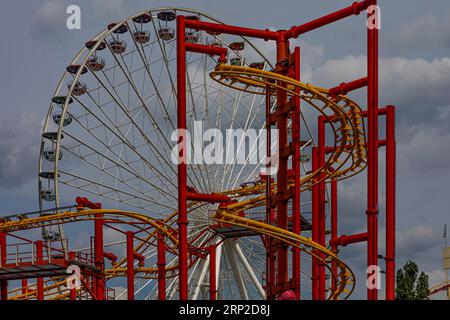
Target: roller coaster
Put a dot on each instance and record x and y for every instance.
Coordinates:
(198, 231)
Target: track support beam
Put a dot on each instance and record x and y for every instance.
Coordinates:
(3, 255)
(390, 202)
(161, 267)
(40, 260)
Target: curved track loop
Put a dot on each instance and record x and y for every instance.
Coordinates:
(53, 287)
(348, 154)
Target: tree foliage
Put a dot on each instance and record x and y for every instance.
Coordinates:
(410, 286)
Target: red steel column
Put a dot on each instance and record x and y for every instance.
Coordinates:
(315, 226)
(24, 286)
(321, 200)
(372, 153)
(3, 252)
(334, 223)
(296, 213)
(40, 260)
(282, 175)
(182, 169)
(3, 290)
(212, 273)
(353, 9)
(390, 202)
(99, 257)
(161, 267)
(130, 265)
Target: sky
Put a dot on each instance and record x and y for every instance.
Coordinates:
(414, 76)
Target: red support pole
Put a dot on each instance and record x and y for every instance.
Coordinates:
(3, 253)
(334, 225)
(321, 204)
(210, 198)
(355, 9)
(99, 257)
(182, 169)
(282, 175)
(296, 213)
(161, 267)
(130, 265)
(3, 249)
(372, 153)
(270, 215)
(212, 273)
(24, 286)
(315, 226)
(40, 260)
(390, 202)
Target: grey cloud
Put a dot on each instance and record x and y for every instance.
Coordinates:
(418, 87)
(19, 143)
(427, 150)
(419, 35)
(416, 241)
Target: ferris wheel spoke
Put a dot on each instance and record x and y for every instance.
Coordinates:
(162, 47)
(239, 148)
(236, 271)
(253, 152)
(162, 104)
(201, 278)
(204, 170)
(126, 72)
(252, 245)
(229, 168)
(236, 105)
(108, 146)
(237, 250)
(123, 67)
(97, 185)
(105, 170)
(118, 134)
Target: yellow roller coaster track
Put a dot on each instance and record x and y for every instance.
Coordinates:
(347, 158)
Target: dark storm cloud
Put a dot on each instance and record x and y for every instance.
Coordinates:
(19, 145)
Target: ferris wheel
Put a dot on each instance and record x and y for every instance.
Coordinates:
(107, 135)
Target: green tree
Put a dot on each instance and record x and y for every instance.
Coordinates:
(410, 286)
